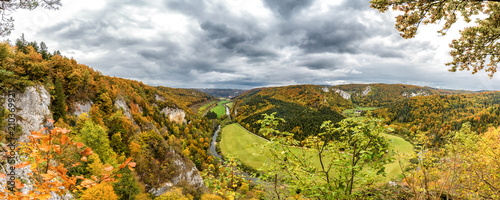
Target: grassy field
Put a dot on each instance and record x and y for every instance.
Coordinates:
(350, 112)
(237, 142)
(201, 110)
(230, 105)
(220, 109)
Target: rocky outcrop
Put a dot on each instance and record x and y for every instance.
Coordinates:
(20, 173)
(32, 109)
(185, 172)
(366, 91)
(82, 107)
(343, 94)
(159, 98)
(419, 93)
(120, 103)
(175, 114)
(325, 89)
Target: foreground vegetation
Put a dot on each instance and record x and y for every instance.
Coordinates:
(248, 148)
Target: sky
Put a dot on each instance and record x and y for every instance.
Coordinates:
(245, 44)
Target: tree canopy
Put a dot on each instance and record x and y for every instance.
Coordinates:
(478, 46)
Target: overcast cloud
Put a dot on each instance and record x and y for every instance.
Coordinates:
(246, 44)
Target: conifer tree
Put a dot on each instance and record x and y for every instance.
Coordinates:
(59, 101)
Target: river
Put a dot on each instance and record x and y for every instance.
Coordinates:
(246, 175)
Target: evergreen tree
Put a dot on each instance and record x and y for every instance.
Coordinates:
(59, 101)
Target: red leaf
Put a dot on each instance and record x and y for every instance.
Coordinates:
(79, 145)
(87, 151)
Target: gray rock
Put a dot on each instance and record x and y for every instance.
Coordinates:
(342, 93)
(185, 171)
(175, 114)
(366, 91)
(82, 107)
(32, 109)
(120, 103)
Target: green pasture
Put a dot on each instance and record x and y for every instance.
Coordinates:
(220, 109)
(202, 109)
(350, 112)
(245, 146)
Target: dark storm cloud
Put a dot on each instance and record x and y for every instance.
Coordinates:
(321, 63)
(286, 8)
(197, 43)
(335, 37)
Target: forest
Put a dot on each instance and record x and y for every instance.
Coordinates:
(139, 133)
(128, 152)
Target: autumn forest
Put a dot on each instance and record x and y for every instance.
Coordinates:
(250, 100)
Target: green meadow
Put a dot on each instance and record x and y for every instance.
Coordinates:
(247, 147)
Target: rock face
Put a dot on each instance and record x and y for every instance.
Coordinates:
(343, 94)
(367, 90)
(185, 171)
(419, 93)
(159, 98)
(175, 114)
(32, 108)
(120, 103)
(21, 174)
(82, 107)
(325, 89)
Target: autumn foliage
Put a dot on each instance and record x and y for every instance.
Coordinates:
(48, 174)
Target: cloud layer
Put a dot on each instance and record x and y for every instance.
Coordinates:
(244, 44)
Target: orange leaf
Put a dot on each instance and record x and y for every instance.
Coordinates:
(45, 148)
(50, 120)
(23, 164)
(87, 183)
(64, 139)
(2, 175)
(119, 175)
(84, 158)
(125, 163)
(57, 148)
(132, 164)
(108, 168)
(79, 145)
(19, 185)
(87, 151)
(49, 176)
(61, 170)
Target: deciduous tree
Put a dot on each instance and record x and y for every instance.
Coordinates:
(477, 48)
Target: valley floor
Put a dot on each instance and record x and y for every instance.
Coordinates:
(247, 147)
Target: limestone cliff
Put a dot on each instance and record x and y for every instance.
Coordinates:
(366, 91)
(32, 109)
(185, 172)
(342, 93)
(121, 104)
(174, 114)
(82, 107)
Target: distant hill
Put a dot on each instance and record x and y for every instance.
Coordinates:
(439, 115)
(223, 93)
(380, 94)
(304, 107)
